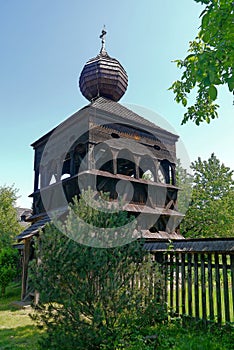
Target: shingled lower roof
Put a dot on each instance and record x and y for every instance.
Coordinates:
(33, 229)
(204, 245)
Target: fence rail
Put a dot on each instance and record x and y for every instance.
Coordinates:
(200, 285)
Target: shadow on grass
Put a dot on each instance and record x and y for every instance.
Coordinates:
(10, 307)
(17, 331)
(19, 338)
(12, 295)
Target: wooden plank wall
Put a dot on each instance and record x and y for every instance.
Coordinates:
(200, 285)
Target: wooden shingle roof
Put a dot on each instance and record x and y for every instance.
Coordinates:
(115, 108)
(112, 109)
(204, 245)
(33, 229)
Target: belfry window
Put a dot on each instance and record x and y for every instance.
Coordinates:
(147, 170)
(165, 172)
(103, 158)
(66, 170)
(125, 163)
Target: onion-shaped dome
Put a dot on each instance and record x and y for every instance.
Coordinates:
(103, 76)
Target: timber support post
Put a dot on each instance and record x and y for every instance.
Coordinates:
(25, 268)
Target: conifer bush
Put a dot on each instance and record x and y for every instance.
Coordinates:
(94, 298)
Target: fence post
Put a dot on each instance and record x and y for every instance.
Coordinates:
(189, 284)
(218, 293)
(210, 286)
(225, 286)
(203, 284)
(196, 286)
(171, 255)
(232, 277)
(183, 291)
(177, 284)
(165, 264)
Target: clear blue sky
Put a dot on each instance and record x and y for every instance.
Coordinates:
(44, 46)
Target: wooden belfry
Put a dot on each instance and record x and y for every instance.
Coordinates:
(103, 145)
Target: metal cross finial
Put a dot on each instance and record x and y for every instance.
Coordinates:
(103, 37)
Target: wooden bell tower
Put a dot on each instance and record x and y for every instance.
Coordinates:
(112, 149)
(116, 145)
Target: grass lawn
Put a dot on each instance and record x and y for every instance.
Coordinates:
(17, 330)
(195, 337)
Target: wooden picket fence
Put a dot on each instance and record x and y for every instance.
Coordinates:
(200, 285)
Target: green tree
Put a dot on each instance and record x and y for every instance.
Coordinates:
(8, 267)
(90, 297)
(184, 181)
(210, 62)
(9, 225)
(211, 212)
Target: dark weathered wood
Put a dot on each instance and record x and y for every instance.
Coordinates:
(191, 279)
(166, 278)
(103, 76)
(171, 257)
(232, 276)
(218, 293)
(203, 284)
(177, 276)
(183, 288)
(225, 286)
(210, 286)
(189, 257)
(196, 286)
(25, 268)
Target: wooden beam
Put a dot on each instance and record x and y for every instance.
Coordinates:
(25, 267)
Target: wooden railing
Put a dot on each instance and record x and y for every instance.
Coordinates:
(200, 285)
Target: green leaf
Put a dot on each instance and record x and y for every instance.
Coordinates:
(213, 92)
(212, 75)
(190, 57)
(207, 81)
(231, 83)
(184, 102)
(205, 20)
(209, 62)
(206, 36)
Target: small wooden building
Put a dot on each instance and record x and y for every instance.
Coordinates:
(112, 149)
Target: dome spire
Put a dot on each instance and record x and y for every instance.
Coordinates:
(103, 37)
(103, 76)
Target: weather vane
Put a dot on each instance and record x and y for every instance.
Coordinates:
(103, 37)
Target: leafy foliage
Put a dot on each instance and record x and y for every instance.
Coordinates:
(96, 222)
(8, 267)
(210, 62)
(211, 212)
(184, 181)
(90, 298)
(9, 226)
